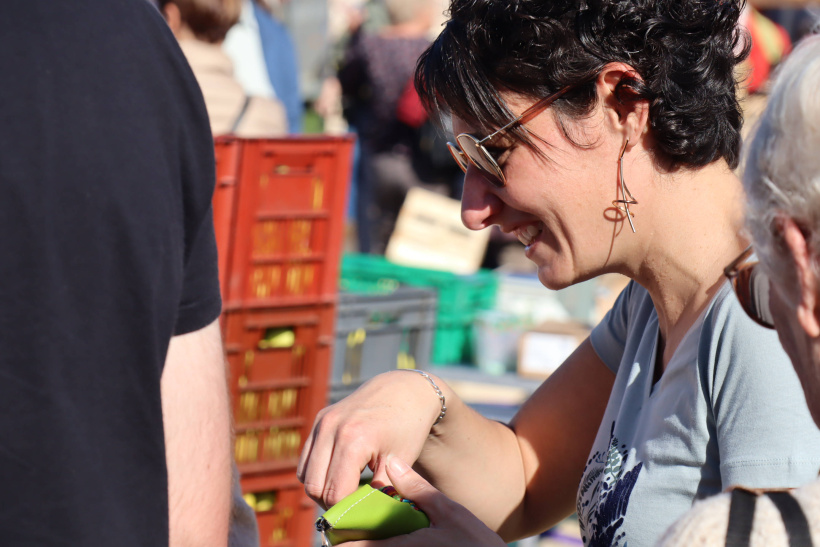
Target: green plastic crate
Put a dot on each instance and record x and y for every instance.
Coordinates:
(459, 298)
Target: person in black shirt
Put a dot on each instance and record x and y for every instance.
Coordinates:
(114, 422)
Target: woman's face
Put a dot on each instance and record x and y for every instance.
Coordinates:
(560, 208)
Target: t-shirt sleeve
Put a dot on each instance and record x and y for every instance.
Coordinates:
(609, 337)
(755, 394)
(200, 303)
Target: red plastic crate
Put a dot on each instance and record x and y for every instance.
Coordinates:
(289, 221)
(279, 362)
(265, 452)
(285, 516)
(227, 151)
(270, 401)
(279, 344)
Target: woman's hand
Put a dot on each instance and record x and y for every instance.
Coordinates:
(451, 525)
(390, 414)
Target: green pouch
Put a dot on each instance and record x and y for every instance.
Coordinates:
(368, 513)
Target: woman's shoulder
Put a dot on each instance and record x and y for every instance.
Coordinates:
(634, 298)
(630, 312)
(727, 326)
(738, 359)
(623, 325)
(724, 305)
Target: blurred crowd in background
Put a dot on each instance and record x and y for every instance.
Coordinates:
(271, 68)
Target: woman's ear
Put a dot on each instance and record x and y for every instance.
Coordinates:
(628, 113)
(808, 304)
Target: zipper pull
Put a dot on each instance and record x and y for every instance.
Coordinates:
(322, 525)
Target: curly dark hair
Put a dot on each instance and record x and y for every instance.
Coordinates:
(684, 53)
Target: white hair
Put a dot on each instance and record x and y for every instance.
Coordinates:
(782, 160)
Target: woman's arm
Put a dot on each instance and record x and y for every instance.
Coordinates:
(517, 479)
(522, 479)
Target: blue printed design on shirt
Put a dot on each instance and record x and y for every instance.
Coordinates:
(603, 497)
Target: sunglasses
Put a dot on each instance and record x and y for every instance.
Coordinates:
(470, 150)
(751, 287)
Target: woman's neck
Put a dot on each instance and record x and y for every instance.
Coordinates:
(696, 219)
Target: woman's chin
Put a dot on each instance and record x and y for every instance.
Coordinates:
(553, 279)
(552, 272)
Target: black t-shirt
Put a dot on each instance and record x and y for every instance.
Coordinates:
(106, 251)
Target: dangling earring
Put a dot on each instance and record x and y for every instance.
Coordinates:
(623, 204)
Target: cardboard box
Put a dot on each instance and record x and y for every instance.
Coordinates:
(543, 348)
(429, 234)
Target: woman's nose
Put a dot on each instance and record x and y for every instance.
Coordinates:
(479, 205)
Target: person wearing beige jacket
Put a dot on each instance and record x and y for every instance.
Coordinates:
(200, 27)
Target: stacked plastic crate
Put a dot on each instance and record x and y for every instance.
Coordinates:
(279, 211)
(460, 298)
(387, 328)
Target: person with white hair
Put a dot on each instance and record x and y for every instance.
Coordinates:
(376, 70)
(782, 183)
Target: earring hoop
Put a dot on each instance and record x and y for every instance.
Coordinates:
(627, 197)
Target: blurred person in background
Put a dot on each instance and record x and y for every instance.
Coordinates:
(376, 70)
(281, 61)
(799, 17)
(782, 183)
(243, 44)
(770, 43)
(265, 58)
(343, 17)
(115, 425)
(200, 27)
(773, 26)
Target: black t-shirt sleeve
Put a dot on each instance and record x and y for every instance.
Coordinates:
(200, 303)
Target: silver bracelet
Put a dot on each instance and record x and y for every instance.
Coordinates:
(438, 392)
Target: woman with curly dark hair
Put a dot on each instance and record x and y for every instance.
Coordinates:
(603, 134)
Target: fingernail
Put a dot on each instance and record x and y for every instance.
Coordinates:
(397, 466)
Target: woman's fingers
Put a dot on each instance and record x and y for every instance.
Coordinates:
(414, 487)
(360, 431)
(314, 460)
(332, 460)
(451, 525)
(352, 451)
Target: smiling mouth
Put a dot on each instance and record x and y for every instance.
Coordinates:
(527, 234)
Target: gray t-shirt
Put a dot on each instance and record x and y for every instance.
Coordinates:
(728, 410)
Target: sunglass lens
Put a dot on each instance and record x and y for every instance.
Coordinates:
(481, 159)
(752, 287)
(459, 156)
